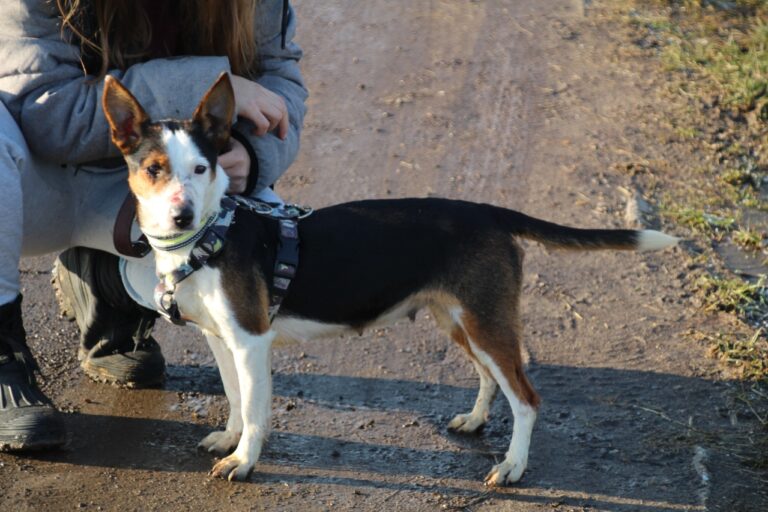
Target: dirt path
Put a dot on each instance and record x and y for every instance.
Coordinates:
(524, 104)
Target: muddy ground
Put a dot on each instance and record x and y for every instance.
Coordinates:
(525, 104)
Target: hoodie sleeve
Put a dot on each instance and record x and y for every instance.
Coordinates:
(59, 109)
(280, 74)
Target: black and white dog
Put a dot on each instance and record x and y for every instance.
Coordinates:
(363, 264)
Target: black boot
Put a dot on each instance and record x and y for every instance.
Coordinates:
(28, 421)
(116, 345)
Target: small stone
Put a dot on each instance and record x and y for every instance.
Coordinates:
(365, 424)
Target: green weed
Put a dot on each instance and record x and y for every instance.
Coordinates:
(699, 220)
(733, 295)
(747, 353)
(748, 238)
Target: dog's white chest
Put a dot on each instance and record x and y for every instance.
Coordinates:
(202, 301)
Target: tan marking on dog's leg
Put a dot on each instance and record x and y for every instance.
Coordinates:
(516, 459)
(470, 422)
(223, 442)
(499, 352)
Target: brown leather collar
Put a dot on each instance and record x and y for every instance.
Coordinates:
(122, 233)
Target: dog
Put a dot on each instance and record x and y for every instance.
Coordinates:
(363, 264)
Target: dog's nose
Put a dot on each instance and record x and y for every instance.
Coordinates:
(183, 217)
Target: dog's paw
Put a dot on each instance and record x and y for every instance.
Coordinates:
(466, 423)
(508, 472)
(220, 443)
(232, 468)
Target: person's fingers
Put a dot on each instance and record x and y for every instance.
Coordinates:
(283, 123)
(264, 108)
(261, 123)
(227, 159)
(273, 115)
(282, 129)
(236, 186)
(238, 178)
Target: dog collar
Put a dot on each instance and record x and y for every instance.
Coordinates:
(174, 242)
(209, 241)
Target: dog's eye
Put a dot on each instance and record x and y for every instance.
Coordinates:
(200, 169)
(153, 170)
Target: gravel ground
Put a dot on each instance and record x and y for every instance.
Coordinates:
(524, 104)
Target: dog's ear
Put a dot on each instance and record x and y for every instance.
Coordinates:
(216, 110)
(124, 114)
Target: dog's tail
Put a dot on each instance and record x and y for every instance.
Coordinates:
(565, 237)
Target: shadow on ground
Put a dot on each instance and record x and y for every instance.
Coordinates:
(611, 441)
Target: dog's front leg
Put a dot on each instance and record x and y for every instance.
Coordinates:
(252, 358)
(223, 442)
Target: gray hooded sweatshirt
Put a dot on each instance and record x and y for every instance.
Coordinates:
(59, 109)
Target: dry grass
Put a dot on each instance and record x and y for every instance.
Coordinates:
(715, 55)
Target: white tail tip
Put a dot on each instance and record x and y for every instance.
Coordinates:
(650, 240)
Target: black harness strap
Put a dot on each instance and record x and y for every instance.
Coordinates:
(210, 242)
(286, 263)
(287, 255)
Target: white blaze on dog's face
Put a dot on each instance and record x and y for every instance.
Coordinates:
(172, 164)
(171, 181)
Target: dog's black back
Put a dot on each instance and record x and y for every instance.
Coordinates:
(363, 258)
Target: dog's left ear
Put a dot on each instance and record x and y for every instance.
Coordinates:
(216, 110)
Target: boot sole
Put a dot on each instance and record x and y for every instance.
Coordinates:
(66, 310)
(33, 433)
(104, 376)
(30, 445)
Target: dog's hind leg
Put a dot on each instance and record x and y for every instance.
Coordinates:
(496, 346)
(471, 422)
(223, 442)
(442, 308)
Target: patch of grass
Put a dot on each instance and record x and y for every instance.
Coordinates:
(754, 203)
(687, 132)
(748, 238)
(652, 21)
(715, 53)
(749, 354)
(739, 177)
(699, 220)
(733, 295)
(725, 50)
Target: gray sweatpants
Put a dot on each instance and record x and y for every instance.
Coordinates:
(45, 207)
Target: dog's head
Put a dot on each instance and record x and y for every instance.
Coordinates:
(172, 167)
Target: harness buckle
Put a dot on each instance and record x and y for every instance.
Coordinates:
(281, 283)
(169, 308)
(285, 270)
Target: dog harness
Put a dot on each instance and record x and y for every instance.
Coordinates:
(210, 239)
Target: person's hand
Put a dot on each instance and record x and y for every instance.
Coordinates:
(261, 106)
(237, 164)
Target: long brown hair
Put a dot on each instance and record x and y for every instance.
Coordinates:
(118, 33)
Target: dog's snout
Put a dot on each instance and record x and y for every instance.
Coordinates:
(183, 216)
